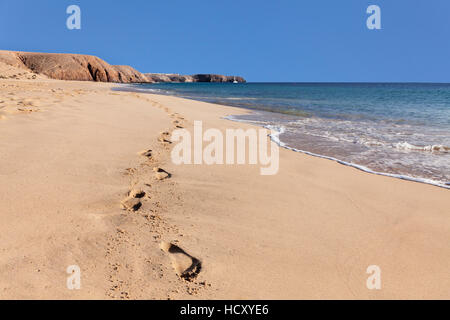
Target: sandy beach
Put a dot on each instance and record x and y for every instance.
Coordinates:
(79, 187)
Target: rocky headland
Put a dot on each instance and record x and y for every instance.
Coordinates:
(80, 67)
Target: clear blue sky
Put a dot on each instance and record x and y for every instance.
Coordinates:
(270, 40)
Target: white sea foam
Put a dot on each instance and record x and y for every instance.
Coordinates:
(134, 88)
(278, 130)
(431, 148)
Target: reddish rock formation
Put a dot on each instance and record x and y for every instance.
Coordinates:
(63, 66)
(12, 59)
(71, 67)
(129, 74)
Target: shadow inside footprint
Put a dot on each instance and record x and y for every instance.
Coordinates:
(164, 137)
(185, 265)
(133, 202)
(164, 140)
(161, 174)
(138, 194)
(146, 153)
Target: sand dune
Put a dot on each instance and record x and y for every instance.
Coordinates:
(16, 72)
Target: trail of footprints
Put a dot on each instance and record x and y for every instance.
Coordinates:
(27, 98)
(186, 267)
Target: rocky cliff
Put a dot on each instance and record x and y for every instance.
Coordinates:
(167, 77)
(216, 78)
(71, 67)
(89, 68)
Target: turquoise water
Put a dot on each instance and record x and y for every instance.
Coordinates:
(397, 129)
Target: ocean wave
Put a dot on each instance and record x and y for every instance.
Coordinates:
(134, 88)
(238, 98)
(431, 148)
(371, 134)
(442, 184)
(277, 131)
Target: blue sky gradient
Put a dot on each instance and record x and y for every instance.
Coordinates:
(282, 40)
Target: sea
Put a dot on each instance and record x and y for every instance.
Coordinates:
(394, 129)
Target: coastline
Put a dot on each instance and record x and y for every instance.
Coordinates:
(275, 138)
(310, 232)
(260, 116)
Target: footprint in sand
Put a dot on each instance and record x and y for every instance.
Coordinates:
(163, 140)
(130, 171)
(177, 124)
(28, 110)
(146, 153)
(185, 265)
(133, 201)
(28, 103)
(161, 174)
(164, 137)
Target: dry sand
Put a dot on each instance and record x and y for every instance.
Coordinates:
(86, 179)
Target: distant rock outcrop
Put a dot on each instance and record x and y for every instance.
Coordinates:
(168, 77)
(80, 67)
(216, 78)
